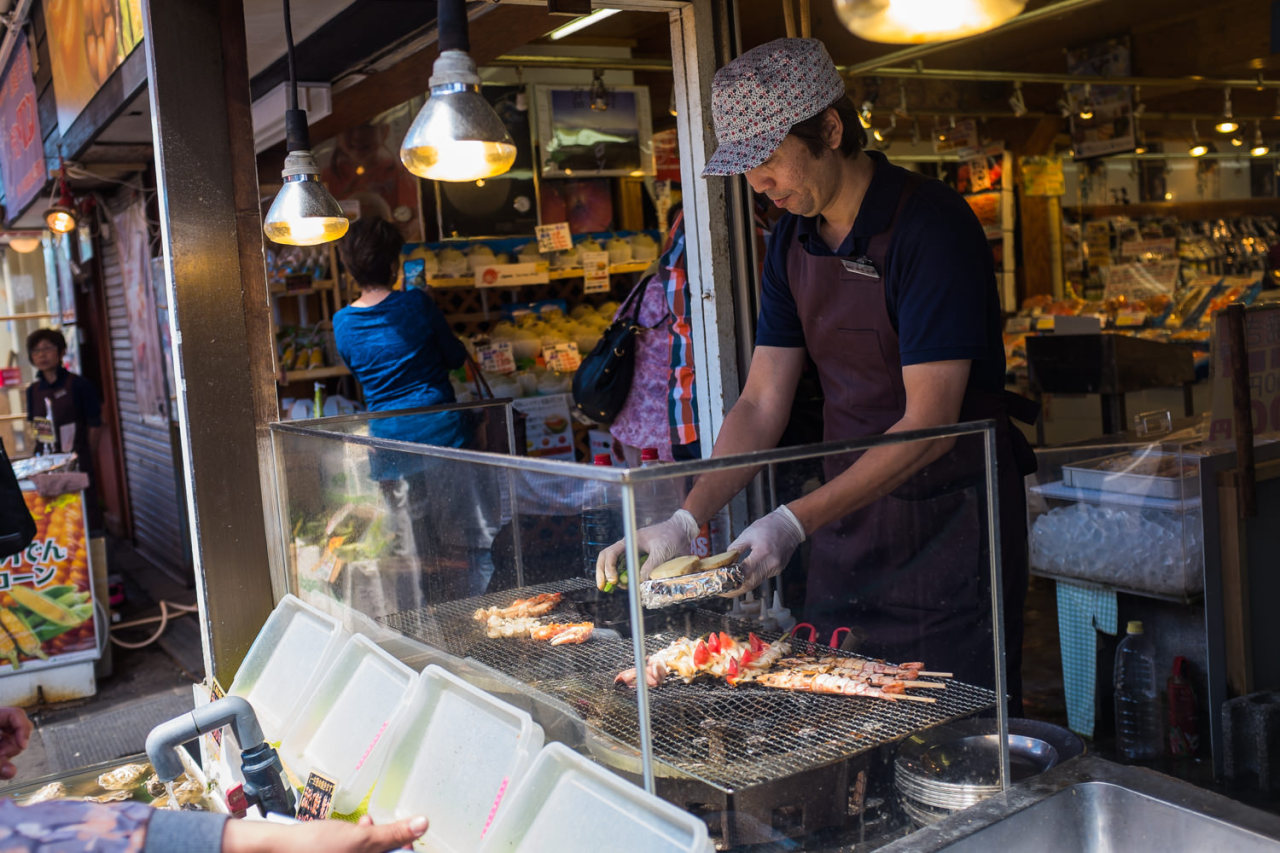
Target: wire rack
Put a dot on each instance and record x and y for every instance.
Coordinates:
(731, 738)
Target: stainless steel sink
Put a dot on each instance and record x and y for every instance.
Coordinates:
(1089, 804)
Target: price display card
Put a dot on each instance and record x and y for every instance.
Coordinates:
(554, 237)
(563, 357)
(496, 357)
(595, 272)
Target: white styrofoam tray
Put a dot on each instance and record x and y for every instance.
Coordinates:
(342, 728)
(296, 645)
(568, 804)
(455, 754)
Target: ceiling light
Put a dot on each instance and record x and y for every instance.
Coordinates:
(1196, 148)
(581, 23)
(918, 21)
(61, 216)
(303, 212)
(1228, 123)
(456, 136)
(24, 242)
(1259, 147)
(1237, 140)
(1086, 104)
(1141, 146)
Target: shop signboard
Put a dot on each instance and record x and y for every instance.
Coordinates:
(46, 590)
(1262, 343)
(1109, 126)
(22, 167)
(549, 428)
(87, 42)
(1042, 176)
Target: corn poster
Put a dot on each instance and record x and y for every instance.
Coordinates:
(46, 592)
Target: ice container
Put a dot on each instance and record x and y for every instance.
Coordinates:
(343, 728)
(568, 804)
(296, 645)
(455, 755)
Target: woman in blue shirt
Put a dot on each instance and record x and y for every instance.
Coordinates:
(398, 344)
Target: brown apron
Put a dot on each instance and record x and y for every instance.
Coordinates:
(908, 573)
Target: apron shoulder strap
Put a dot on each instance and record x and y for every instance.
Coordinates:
(878, 247)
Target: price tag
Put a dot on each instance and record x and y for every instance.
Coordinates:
(11, 377)
(496, 357)
(563, 357)
(317, 798)
(595, 272)
(554, 237)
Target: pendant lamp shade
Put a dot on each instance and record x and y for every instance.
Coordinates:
(918, 21)
(303, 212)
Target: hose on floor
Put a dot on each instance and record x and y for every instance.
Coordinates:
(163, 619)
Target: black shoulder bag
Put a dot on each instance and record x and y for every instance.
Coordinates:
(17, 527)
(603, 379)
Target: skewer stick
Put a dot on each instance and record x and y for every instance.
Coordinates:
(908, 697)
(936, 685)
(936, 674)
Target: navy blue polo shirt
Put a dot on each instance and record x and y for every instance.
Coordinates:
(940, 285)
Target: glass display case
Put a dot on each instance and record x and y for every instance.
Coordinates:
(461, 554)
(1125, 516)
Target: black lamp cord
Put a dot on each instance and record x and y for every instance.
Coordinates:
(452, 25)
(296, 136)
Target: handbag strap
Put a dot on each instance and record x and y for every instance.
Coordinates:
(483, 391)
(635, 301)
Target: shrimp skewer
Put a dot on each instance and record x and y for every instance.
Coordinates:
(837, 685)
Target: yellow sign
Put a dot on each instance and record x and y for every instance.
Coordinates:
(1042, 176)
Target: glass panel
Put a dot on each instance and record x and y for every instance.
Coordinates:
(486, 563)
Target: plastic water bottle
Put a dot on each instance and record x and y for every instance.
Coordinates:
(1138, 730)
(601, 519)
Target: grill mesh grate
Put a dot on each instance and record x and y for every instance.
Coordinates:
(731, 738)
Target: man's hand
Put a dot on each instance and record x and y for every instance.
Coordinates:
(661, 542)
(771, 541)
(15, 734)
(321, 836)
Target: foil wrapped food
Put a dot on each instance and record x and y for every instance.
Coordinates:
(663, 593)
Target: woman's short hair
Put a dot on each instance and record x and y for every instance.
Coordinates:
(852, 141)
(371, 251)
(53, 336)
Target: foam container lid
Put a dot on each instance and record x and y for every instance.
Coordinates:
(343, 728)
(296, 645)
(455, 754)
(568, 804)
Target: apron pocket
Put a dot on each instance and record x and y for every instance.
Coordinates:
(866, 369)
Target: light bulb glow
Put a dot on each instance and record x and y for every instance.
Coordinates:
(918, 21)
(581, 23)
(1227, 126)
(60, 220)
(1198, 149)
(1086, 112)
(457, 136)
(24, 245)
(303, 212)
(1259, 150)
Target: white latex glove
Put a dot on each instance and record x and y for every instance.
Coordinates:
(770, 541)
(662, 541)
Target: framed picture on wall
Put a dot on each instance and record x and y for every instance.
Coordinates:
(594, 131)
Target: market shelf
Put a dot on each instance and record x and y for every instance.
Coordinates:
(315, 373)
(442, 282)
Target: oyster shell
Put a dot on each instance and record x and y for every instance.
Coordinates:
(124, 777)
(52, 791)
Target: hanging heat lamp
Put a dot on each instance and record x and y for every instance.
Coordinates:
(61, 216)
(303, 213)
(918, 21)
(456, 136)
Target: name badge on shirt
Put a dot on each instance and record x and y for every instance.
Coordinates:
(861, 266)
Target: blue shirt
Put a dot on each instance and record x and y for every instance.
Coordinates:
(402, 350)
(940, 287)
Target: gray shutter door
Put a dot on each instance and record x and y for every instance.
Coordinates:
(159, 512)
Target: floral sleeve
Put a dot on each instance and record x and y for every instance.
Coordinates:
(71, 826)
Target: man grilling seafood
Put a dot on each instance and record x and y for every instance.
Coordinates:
(885, 280)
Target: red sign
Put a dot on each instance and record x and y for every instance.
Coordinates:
(10, 377)
(22, 152)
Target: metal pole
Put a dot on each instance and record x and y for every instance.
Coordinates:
(210, 226)
(632, 554)
(997, 604)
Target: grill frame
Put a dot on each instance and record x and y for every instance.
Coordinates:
(732, 739)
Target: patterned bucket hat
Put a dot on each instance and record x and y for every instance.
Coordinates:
(756, 98)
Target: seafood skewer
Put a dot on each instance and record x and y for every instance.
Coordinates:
(838, 685)
(718, 655)
(862, 668)
(560, 633)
